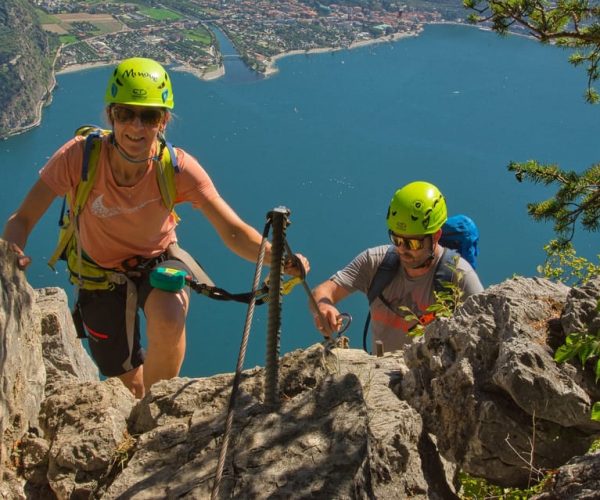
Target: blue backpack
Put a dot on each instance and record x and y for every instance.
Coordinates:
(461, 234)
(460, 237)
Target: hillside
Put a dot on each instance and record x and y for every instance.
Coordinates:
(26, 76)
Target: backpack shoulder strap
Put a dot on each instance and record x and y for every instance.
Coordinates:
(72, 206)
(384, 274)
(444, 272)
(168, 166)
(91, 153)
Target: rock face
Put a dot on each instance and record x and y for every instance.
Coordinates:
(487, 386)
(21, 365)
(479, 392)
(64, 359)
(340, 433)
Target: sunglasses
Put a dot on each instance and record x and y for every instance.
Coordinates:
(408, 243)
(150, 117)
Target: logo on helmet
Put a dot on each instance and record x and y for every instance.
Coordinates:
(165, 95)
(131, 73)
(139, 92)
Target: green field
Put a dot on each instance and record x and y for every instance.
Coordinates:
(199, 35)
(45, 18)
(66, 39)
(160, 14)
(105, 27)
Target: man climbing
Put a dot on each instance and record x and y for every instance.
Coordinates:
(412, 264)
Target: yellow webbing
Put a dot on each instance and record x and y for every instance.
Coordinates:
(83, 272)
(67, 231)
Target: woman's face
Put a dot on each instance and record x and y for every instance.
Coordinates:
(136, 127)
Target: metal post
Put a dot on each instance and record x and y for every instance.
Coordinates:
(279, 221)
(379, 348)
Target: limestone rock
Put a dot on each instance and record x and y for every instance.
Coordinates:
(475, 392)
(65, 359)
(22, 374)
(85, 424)
(487, 385)
(341, 434)
(578, 479)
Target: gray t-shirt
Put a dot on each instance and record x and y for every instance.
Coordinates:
(387, 321)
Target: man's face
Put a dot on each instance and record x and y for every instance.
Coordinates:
(413, 250)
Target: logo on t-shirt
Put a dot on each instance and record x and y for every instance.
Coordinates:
(99, 209)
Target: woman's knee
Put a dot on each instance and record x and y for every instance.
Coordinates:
(167, 308)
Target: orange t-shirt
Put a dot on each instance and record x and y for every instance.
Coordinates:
(119, 222)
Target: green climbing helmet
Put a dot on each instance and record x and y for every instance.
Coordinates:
(417, 208)
(140, 82)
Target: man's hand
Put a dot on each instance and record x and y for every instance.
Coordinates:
(333, 320)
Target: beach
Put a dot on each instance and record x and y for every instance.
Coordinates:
(199, 73)
(202, 74)
(271, 62)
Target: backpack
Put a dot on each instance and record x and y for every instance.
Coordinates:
(460, 233)
(83, 272)
(459, 237)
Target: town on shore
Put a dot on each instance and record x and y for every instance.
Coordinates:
(182, 32)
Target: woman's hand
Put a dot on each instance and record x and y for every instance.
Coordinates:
(296, 265)
(23, 260)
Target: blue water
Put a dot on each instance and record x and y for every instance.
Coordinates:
(332, 136)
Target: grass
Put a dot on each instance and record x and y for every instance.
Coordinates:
(107, 26)
(45, 18)
(473, 488)
(160, 14)
(199, 35)
(66, 39)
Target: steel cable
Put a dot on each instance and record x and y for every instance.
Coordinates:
(240, 365)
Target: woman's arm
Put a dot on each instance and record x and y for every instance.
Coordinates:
(239, 237)
(20, 224)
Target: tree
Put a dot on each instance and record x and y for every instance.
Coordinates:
(568, 23)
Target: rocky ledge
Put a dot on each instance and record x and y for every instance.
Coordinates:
(480, 392)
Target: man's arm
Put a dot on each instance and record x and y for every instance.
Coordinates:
(327, 294)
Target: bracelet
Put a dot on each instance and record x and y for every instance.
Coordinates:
(325, 300)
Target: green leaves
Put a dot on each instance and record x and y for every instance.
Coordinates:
(584, 346)
(562, 264)
(445, 303)
(568, 23)
(577, 198)
(596, 411)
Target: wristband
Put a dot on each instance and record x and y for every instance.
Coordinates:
(325, 300)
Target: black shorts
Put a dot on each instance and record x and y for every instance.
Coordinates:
(103, 316)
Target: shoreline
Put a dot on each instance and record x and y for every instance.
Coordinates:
(74, 68)
(272, 61)
(186, 68)
(201, 74)
(271, 64)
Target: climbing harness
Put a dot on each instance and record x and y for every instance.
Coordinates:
(172, 280)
